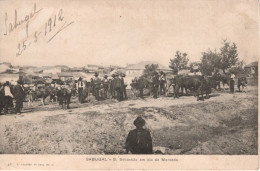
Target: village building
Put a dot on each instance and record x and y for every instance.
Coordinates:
(252, 68)
(94, 68)
(136, 70)
(65, 76)
(51, 70)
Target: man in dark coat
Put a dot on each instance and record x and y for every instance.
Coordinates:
(19, 96)
(105, 83)
(8, 99)
(155, 84)
(80, 85)
(141, 85)
(118, 87)
(97, 83)
(232, 83)
(112, 86)
(139, 140)
(124, 95)
(2, 98)
(162, 81)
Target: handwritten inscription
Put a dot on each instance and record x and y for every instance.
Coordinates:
(19, 22)
(48, 30)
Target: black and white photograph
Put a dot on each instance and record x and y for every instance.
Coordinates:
(152, 78)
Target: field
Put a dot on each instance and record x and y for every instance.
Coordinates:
(224, 124)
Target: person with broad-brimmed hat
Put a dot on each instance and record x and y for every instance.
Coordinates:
(19, 95)
(124, 85)
(105, 83)
(162, 83)
(232, 83)
(112, 86)
(80, 88)
(155, 84)
(8, 99)
(118, 87)
(139, 140)
(2, 98)
(97, 83)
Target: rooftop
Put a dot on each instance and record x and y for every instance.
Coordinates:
(252, 64)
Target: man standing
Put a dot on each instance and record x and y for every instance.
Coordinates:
(105, 86)
(162, 80)
(19, 96)
(97, 82)
(112, 86)
(155, 84)
(118, 87)
(124, 95)
(8, 99)
(2, 97)
(232, 83)
(80, 86)
(140, 84)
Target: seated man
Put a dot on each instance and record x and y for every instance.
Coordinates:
(139, 140)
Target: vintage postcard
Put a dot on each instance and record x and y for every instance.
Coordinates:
(129, 84)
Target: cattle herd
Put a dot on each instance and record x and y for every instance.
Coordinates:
(198, 85)
(157, 85)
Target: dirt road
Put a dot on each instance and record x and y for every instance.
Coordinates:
(224, 124)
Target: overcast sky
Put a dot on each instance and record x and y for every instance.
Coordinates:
(121, 32)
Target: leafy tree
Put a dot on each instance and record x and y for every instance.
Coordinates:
(228, 55)
(179, 62)
(238, 68)
(149, 69)
(210, 62)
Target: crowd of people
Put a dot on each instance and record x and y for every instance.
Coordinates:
(10, 95)
(102, 88)
(114, 87)
(156, 83)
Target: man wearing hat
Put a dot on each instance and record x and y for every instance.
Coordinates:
(232, 83)
(155, 84)
(80, 87)
(8, 99)
(2, 97)
(118, 87)
(162, 85)
(97, 83)
(105, 83)
(124, 95)
(19, 95)
(139, 140)
(112, 86)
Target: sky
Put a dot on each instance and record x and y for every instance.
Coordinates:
(125, 32)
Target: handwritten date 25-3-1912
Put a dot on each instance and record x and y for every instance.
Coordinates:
(52, 27)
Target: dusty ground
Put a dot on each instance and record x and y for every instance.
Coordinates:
(224, 124)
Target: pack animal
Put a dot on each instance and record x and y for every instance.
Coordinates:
(64, 97)
(242, 82)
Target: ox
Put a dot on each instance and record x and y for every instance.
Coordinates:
(41, 93)
(64, 96)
